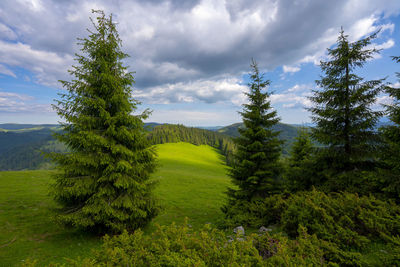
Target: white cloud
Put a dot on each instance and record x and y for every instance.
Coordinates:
(386, 45)
(20, 103)
(7, 71)
(32, 5)
(48, 67)
(177, 48)
(291, 69)
(299, 88)
(295, 97)
(7, 33)
(188, 117)
(208, 91)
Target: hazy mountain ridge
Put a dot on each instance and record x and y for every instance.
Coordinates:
(288, 133)
(21, 145)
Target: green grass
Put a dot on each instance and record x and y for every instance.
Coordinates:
(192, 184)
(192, 180)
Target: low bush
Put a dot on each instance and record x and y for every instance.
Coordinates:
(343, 218)
(181, 246)
(255, 213)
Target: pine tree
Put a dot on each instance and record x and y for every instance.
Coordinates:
(342, 110)
(104, 182)
(300, 172)
(256, 169)
(391, 147)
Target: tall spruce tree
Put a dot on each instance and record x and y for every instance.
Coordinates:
(342, 110)
(103, 183)
(256, 169)
(391, 148)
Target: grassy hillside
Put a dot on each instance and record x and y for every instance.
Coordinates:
(191, 178)
(192, 181)
(21, 148)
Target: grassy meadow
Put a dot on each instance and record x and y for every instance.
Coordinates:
(192, 181)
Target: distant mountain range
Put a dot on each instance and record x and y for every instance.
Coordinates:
(288, 133)
(21, 145)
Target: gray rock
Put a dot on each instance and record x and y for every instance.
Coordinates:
(239, 230)
(264, 229)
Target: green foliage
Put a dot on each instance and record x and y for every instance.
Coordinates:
(287, 133)
(103, 182)
(181, 246)
(176, 246)
(170, 133)
(256, 213)
(256, 169)
(300, 172)
(343, 218)
(342, 110)
(345, 224)
(390, 153)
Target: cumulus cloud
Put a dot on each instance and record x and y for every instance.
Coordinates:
(290, 69)
(295, 97)
(300, 88)
(208, 91)
(177, 48)
(291, 100)
(20, 103)
(200, 117)
(49, 67)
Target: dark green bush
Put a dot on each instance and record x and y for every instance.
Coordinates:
(180, 246)
(343, 218)
(256, 213)
(176, 246)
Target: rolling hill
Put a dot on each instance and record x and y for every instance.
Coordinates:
(21, 145)
(192, 181)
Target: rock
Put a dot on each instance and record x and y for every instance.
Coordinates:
(264, 229)
(239, 230)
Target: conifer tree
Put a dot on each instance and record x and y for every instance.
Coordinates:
(391, 148)
(103, 183)
(256, 169)
(301, 171)
(342, 109)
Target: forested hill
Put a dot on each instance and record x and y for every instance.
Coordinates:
(288, 133)
(169, 133)
(16, 126)
(21, 144)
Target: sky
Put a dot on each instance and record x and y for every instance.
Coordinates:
(191, 58)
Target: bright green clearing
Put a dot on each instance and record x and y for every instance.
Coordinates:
(192, 181)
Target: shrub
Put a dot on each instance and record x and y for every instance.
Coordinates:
(343, 218)
(256, 213)
(181, 246)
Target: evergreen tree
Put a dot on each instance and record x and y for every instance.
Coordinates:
(300, 173)
(103, 183)
(256, 169)
(342, 111)
(391, 148)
